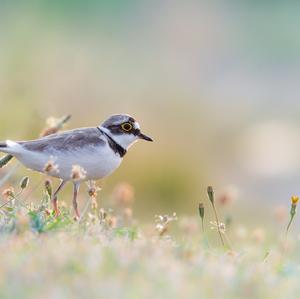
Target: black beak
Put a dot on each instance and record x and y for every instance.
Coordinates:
(144, 137)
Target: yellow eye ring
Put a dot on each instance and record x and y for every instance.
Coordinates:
(126, 127)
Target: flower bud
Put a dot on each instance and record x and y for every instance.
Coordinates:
(201, 210)
(210, 193)
(5, 160)
(294, 200)
(48, 188)
(24, 182)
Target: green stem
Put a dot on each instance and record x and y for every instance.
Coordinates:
(202, 225)
(289, 224)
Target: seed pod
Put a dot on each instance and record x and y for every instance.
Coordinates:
(24, 182)
(5, 160)
(210, 193)
(201, 210)
(48, 188)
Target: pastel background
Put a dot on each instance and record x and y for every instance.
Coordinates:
(215, 83)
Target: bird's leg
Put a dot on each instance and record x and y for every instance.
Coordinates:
(75, 205)
(54, 198)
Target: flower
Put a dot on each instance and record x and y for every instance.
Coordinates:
(9, 192)
(93, 189)
(78, 173)
(163, 221)
(294, 200)
(54, 125)
(92, 192)
(50, 166)
(221, 227)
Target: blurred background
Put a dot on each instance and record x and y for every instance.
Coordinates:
(215, 83)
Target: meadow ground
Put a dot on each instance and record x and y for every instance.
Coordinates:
(107, 253)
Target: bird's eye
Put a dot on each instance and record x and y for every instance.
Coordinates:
(126, 127)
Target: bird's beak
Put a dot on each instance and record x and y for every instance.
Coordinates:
(145, 137)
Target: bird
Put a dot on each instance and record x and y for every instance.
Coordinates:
(83, 154)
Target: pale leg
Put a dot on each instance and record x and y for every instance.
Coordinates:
(75, 194)
(54, 199)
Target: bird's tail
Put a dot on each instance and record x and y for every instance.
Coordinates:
(10, 147)
(5, 159)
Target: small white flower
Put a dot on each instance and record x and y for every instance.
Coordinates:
(78, 173)
(222, 226)
(50, 166)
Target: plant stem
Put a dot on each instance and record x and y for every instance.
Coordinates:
(288, 226)
(218, 224)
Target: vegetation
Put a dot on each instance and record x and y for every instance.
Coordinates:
(107, 253)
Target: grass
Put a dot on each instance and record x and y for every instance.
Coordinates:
(110, 254)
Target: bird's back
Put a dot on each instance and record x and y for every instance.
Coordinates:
(86, 147)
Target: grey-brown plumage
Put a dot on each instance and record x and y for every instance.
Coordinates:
(67, 141)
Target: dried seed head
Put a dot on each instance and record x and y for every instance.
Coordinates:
(161, 229)
(51, 167)
(221, 226)
(24, 182)
(163, 221)
(54, 125)
(78, 173)
(93, 189)
(9, 192)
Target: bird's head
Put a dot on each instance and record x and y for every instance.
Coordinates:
(124, 130)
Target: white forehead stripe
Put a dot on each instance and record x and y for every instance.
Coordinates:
(137, 126)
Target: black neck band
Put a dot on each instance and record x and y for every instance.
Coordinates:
(116, 147)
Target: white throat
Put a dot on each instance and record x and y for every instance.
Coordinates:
(124, 140)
